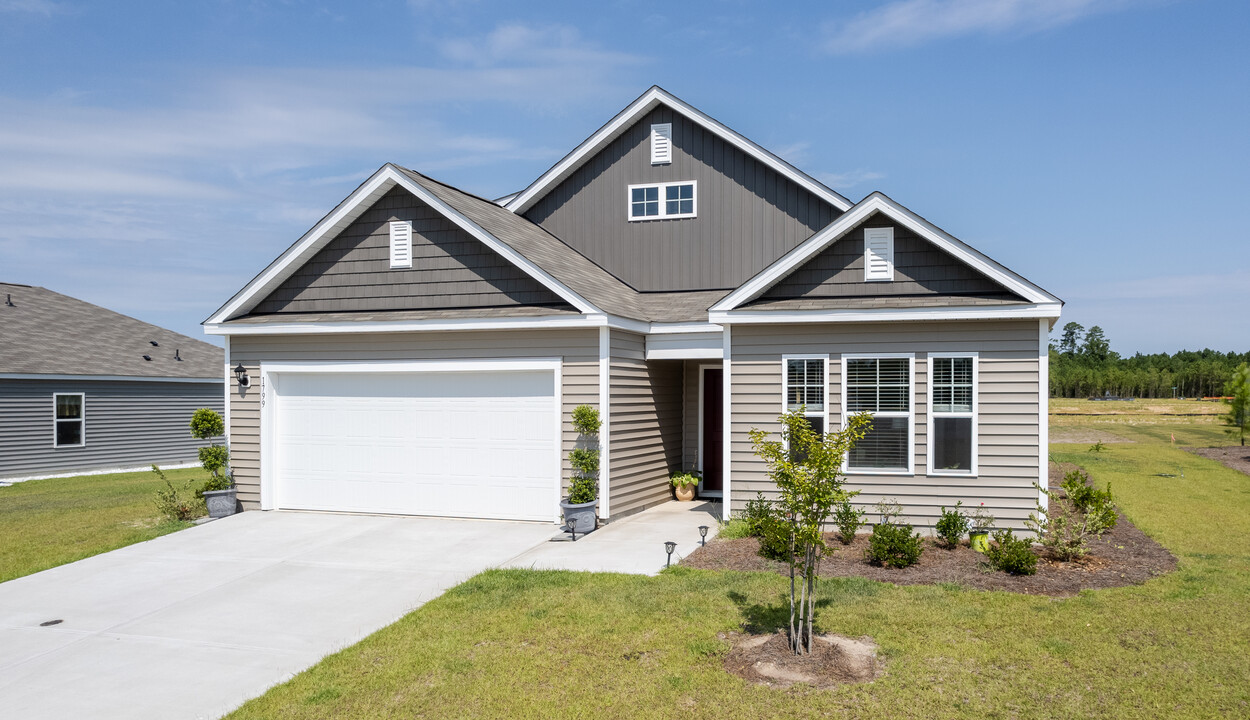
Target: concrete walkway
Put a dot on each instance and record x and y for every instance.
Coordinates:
(634, 544)
(191, 625)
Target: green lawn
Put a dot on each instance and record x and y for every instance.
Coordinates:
(539, 644)
(45, 523)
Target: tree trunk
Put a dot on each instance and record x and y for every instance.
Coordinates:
(792, 635)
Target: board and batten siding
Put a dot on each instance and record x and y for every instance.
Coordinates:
(1008, 430)
(450, 268)
(128, 424)
(748, 214)
(579, 350)
(645, 434)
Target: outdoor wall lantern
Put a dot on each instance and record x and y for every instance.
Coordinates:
(669, 547)
(702, 535)
(240, 374)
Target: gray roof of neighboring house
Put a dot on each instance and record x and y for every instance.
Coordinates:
(47, 333)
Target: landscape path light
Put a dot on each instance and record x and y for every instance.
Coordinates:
(573, 528)
(702, 535)
(669, 547)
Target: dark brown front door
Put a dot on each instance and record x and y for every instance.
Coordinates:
(713, 430)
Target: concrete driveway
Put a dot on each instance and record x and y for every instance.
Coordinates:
(192, 624)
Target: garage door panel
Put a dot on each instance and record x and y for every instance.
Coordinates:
(479, 444)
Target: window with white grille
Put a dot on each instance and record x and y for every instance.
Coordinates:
(69, 419)
(661, 143)
(878, 254)
(662, 201)
(882, 387)
(952, 414)
(401, 244)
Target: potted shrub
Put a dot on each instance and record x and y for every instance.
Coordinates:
(583, 497)
(685, 483)
(219, 493)
(979, 534)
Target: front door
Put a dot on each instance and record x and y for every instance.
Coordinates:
(713, 455)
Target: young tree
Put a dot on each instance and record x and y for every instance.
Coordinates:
(806, 467)
(1238, 390)
(1070, 341)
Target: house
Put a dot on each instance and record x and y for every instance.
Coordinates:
(85, 389)
(420, 349)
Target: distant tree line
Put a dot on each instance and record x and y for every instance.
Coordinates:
(1082, 364)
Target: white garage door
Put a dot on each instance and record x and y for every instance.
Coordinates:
(459, 444)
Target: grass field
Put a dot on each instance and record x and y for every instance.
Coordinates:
(45, 523)
(533, 644)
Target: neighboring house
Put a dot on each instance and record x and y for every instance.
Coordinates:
(86, 389)
(420, 349)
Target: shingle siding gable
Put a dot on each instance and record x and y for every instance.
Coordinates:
(451, 269)
(748, 214)
(920, 268)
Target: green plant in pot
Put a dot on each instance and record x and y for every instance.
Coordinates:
(579, 507)
(219, 492)
(979, 533)
(685, 484)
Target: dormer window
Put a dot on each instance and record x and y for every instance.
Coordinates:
(662, 201)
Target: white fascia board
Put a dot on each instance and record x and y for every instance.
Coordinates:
(683, 328)
(684, 346)
(107, 378)
(849, 221)
(413, 366)
(384, 326)
(376, 186)
(526, 199)
(1010, 312)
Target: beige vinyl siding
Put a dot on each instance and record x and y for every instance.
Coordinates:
(1007, 419)
(645, 441)
(579, 350)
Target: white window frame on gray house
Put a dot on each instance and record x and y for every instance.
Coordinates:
(663, 203)
(944, 403)
(57, 420)
(804, 390)
(878, 254)
(909, 415)
(401, 244)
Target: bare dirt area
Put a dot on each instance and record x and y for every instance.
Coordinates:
(834, 660)
(1122, 556)
(1083, 435)
(1233, 456)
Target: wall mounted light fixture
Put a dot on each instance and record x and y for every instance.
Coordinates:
(240, 374)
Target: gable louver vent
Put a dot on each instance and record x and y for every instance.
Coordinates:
(662, 144)
(878, 254)
(401, 244)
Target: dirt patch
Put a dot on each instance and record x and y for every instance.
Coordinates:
(1233, 456)
(834, 660)
(1082, 436)
(1122, 556)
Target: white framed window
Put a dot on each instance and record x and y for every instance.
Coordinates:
(805, 385)
(69, 420)
(878, 254)
(661, 143)
(663, 201)
(882, 385)
(401, 244)
(952, 427)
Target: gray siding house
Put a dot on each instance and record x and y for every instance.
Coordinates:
(86, 389)
(420, 350)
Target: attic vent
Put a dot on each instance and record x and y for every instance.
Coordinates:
(148, 358)
(401, 244)
(662, 144)
(154, 343)
(8, 300)
(176, 356)
(878, 254)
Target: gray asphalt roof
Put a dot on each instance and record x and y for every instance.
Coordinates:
(47, 333)
(877, 303)
(401, 315)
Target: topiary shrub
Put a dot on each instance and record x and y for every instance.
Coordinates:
(849, 520)
(893, 543)
(1010, 554)
(207, 424)
(584, 485)
(952, 525)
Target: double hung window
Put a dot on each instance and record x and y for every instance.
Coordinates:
(882, 387)
(805, 388)
(952, 414)
(68, 420)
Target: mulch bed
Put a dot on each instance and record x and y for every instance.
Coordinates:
(1233, 456)
(1122, 556)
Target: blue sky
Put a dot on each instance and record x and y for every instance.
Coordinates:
(155, 156)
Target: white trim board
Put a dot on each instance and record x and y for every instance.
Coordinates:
(626, 118)
(866, 208)
(107, 378)
(1000, 312)
(911, 412)
(595, 320)
(381, 182)
(930, 445)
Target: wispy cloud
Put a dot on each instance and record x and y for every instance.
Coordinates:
(31, 7)
(906, 23)
(848, 179)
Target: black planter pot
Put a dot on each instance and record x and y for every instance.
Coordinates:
(585, 514)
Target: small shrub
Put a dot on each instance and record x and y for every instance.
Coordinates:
(1083, 511)
(734, 529)
(764, 521)
(1097, 505)
(172, 504)
(981, 520)
(583, 489)
(952, 525)
(849, 520)
(1010, 554)
(893, 543)
(1096, 447)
